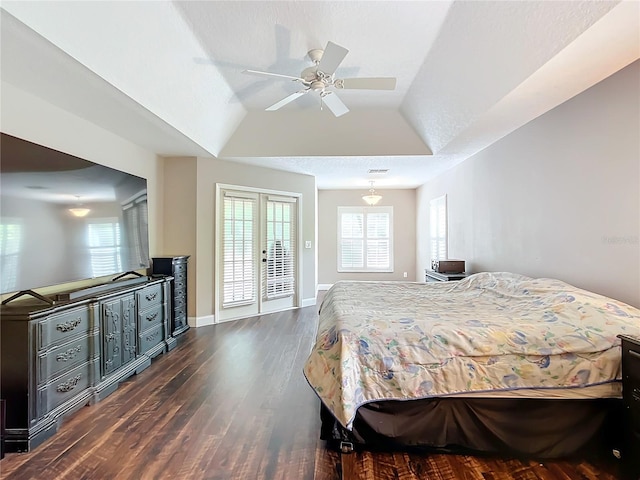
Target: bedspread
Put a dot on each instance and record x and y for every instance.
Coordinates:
(490, 331)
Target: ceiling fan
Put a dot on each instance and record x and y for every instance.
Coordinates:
(320, 78)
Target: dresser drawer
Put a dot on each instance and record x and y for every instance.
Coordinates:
(179, 286)
(631, 455)
(179, 268)
(150, 338)
(631, 360)
(151, 317)
(61, 327)
(631, 395)
(65, 387)
(179, 301)
(52, 363)
(150, 296)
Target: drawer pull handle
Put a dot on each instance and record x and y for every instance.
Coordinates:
(152, 317)
(69, 354)
(635, 394)
(70, 325)
(69, 384)
(634, 354)
(152, 337)
(151, 296)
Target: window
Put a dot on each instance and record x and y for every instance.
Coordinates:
(438, 228)
(136, 229)
(10, 242)
(365, 239)
(279, 274)
(105, 246)
(238, 245)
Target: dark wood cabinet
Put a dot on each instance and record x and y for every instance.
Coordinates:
(631, 399)
(59, 355)
(175, 266)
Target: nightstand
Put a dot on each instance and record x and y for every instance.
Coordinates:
(631, 399)
(431, 276)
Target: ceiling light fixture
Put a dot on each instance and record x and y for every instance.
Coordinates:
(79, 211)
(372, 197)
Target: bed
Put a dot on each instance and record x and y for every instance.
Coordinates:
(497, 362)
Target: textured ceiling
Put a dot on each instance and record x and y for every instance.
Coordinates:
(167, 75)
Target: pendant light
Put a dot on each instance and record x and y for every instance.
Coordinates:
(372, 197)
(79, 210)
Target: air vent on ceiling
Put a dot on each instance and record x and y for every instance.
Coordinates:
(378, 171)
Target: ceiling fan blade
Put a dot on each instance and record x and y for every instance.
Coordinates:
(331, 58)
(379, 83)
(334, 103)
(268, 74)
(286, 100)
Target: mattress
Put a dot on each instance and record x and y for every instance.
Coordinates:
(489, 335)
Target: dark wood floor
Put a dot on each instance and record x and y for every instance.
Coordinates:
(230, 402)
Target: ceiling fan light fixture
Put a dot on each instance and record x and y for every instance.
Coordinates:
(79, 210)
(321, 76)
(372, 197)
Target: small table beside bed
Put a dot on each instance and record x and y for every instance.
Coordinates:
(494, 363)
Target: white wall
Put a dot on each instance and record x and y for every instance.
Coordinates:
(404, 236)
(559, 197)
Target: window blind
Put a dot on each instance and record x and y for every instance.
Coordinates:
(10, 245)
(136, 224)
(238, 245)
(438, 228)
(278, 274)
(365, 239)
(105, 246)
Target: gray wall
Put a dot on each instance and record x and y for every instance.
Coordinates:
(558, 197)
(404, 237)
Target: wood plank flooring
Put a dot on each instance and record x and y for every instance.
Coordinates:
(230, 402)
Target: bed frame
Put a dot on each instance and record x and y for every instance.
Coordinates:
(530, 428)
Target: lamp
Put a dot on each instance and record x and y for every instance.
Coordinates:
(79, 211)
(372, 197)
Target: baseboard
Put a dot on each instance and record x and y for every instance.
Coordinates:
(308, 302)
(201, 321)
(325, 286)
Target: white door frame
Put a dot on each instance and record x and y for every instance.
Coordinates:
(220, 187)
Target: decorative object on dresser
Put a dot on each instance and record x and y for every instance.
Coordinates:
(176, 267)
(448, 266)
(431, 276)
(62, 352)
(631, 398)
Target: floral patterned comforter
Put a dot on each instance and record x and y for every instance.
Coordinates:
(490, 331)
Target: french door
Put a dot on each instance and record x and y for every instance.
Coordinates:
(257, 257)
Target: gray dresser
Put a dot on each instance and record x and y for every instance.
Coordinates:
(176, 267)
(61, 354)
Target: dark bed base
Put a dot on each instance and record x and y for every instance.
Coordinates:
(532, 428)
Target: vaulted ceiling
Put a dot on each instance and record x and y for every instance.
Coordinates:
(168, 75)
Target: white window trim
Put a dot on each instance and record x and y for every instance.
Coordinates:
(364, 211)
